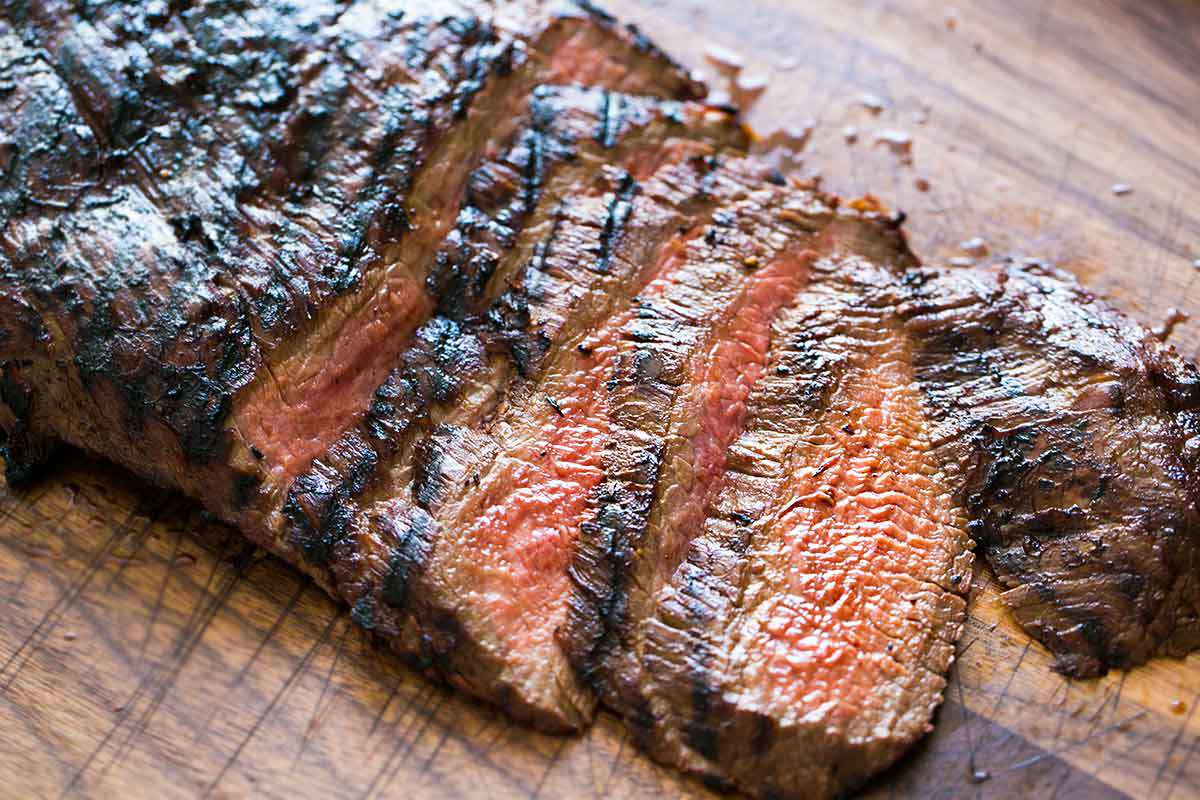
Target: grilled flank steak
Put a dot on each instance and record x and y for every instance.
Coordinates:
(474, 313)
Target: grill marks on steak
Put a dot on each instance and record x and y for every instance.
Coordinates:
(800, 645)
(1074, 433)
(492, 283)
(269, 155)
(433, 134)
(505, 294)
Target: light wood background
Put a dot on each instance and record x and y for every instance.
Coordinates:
(145, 654)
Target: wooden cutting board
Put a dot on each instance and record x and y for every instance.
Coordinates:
(145, 654)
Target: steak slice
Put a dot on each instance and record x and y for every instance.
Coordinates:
(1074, 433)
(800, 644)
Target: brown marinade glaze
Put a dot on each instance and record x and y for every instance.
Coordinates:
(1072, 431)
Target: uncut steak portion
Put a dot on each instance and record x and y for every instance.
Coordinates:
(1075, 434)
(801, 643)
(217, 222)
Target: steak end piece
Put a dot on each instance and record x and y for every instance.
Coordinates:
(1076, 434)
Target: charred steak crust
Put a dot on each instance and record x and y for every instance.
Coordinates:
(1076, 432)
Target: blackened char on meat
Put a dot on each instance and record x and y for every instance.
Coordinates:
(470, 312)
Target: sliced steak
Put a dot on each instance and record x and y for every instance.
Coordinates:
(500, 495)
(430, 136)
(801, 644)
(502, 291)
(563, 395)
(496, 586)
(1075, 434)
(488, 168)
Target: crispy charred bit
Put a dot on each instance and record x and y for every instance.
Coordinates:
(619, 208)
(410, 551)
(21, 447)
(320, 502)
(1075, 435)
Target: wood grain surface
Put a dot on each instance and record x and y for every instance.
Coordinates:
(146, 653)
